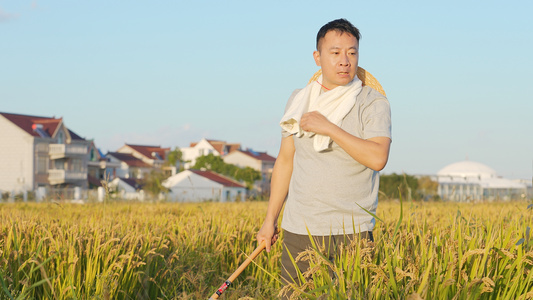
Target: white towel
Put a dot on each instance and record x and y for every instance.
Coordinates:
(334, 105)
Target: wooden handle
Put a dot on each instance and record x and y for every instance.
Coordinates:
(239, 270)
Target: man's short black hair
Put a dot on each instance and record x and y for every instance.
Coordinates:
(339, 25)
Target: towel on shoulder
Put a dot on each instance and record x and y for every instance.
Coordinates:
(334, 105)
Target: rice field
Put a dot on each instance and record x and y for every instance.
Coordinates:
(429, 250)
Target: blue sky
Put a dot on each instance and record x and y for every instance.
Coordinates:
(457, 73)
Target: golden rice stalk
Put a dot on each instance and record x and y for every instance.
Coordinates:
(470, 253)
(488, 285)
(529, 295)
(401, 274)
(414, 296)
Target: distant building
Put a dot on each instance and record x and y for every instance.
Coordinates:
(473, 181)
(100, 168)
(41, 155)
(154, 156)
(259, 161)
(205, 147)
(129, 165)
(199, 186)
(127, 189)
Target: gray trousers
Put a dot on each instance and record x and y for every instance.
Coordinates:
(297, 243)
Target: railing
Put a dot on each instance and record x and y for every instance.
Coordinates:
(61, 176)
(62, 150)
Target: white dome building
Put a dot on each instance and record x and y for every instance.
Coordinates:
(471, 181)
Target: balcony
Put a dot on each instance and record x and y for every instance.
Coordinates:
(63, 176)
(66, 150)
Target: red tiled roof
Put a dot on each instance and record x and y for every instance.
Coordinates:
(220, 145)
(233, 147)
(26, 123)
(129, 159)
(262, 156)
(228, 182)
(148, 150)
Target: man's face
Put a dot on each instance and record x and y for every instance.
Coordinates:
(338, 55)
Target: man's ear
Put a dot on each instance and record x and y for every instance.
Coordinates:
(316, 56)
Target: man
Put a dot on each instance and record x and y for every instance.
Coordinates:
(336, 136)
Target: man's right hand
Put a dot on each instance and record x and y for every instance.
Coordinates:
(268, 233)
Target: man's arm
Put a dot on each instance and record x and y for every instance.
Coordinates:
(279, 187)
(372, 153)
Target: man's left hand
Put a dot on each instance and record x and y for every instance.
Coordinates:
(315, 122)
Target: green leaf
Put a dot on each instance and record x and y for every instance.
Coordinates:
(4, 286)
(373, 215)
(401, 217)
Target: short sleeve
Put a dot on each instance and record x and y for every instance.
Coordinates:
(377, 117)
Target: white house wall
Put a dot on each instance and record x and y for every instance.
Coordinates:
(122, 171)
(192, 153)
(190, 194)
(242, 160)
(122, 186)
(126, 191)
(128, 150)
(190, 187)
(16, 158)
(265, 167)
(230, 194)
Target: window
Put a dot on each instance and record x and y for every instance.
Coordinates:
(228, 196)
(41, 147)
(60, 138)
(42, 164)
(59, 164)
(76, 165)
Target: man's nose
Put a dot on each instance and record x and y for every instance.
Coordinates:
(344, 61)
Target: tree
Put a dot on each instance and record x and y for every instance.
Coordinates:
(210, 162)
(217, 164)
(248, 175)
(427, 188)
(153, 183)
(394, 184)
(175, 157)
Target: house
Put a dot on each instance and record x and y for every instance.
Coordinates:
(100, 168)
(201, 185)
(474, 181)
(205, 147)
(155, 156)
(130, 166)
(259, 161)
(41, 155)
(152, 155)
(127, 188)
